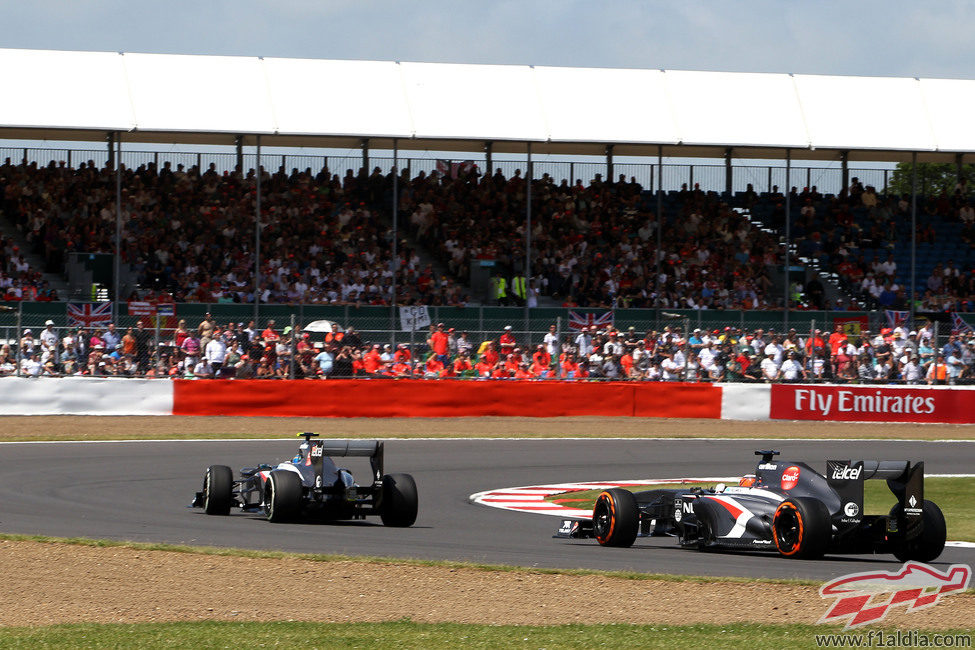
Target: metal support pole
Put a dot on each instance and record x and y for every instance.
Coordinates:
(769, 179)
(257, 241)
(913, 234)
(19, 355)
(365, 154)
(291, 348)
(660, 217)
(529, 175)
(488, 159)
(394, 262)
(610, 172)
(111, 150)
(788, 231)
(239, 144)
(845, 167)
(728, 174)
(118, 229)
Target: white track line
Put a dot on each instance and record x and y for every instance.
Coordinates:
(506, 439)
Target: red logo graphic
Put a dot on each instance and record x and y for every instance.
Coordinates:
(790, 477)
(864, 598)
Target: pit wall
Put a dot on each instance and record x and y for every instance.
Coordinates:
(418, 398)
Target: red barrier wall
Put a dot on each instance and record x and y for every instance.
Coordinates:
(418, 398)
(873, 404)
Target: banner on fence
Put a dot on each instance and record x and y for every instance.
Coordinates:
(852, 325)
(89, 315)
(414, 317)
(597, 320)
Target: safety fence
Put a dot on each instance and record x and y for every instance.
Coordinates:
(146, 337)
(668, 176)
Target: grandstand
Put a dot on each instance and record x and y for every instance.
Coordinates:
(475, 229)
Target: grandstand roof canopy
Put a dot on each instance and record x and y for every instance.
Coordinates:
(57, 95)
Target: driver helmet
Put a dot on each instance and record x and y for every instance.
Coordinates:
(748, 480)
(302, 452)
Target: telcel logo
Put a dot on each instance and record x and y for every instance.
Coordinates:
(847, 473)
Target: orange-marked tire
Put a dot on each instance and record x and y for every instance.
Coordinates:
(801, 528)
(616, 518)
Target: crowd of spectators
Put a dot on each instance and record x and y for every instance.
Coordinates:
(326, 238)
(18, 281)
(242, 350)
(595, 245)
(835, 229)
(191, 234)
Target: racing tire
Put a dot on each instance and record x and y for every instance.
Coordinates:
(801, 528)
(616, 518)
(218, 490)
(931, 543)
(399, 501)
(282, 496)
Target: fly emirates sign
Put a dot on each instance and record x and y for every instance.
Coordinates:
(872, 404)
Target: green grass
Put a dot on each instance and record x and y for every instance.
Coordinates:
(407, 634)
(953, 495)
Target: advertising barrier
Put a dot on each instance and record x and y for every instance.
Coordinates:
(419, 398)
(445, 398)
(950, 405)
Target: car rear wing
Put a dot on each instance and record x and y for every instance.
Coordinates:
(371, 449)
(905, 480)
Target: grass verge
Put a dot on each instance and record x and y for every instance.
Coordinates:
(406, 634)
(953, 495)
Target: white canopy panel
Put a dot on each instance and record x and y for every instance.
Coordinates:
(358, 98)
(72, 90)
(199, 93)
(606, 105)
(950, 104)
(199, 99)
(735, 109)
(865, 113)
(478, 102)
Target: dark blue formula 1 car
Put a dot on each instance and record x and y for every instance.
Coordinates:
(311, 484)
(785, 506)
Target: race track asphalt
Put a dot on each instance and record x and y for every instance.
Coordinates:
(139, 491)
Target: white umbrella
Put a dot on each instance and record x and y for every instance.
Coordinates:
(321, 326)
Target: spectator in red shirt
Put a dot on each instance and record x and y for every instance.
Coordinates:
(837, 340)
(269, 334)
(439, 343)
(542, 358)
(434, 368)
(371, 361)
(570, 368)
(507, 341)
(462, 365)
(402, 354)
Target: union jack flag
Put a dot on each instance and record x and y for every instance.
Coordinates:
(958, 324)
(89, 315)
(590, 319)
(897, 318)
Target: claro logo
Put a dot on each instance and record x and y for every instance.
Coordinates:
(790, 477)
(847, 473)
(848, 401)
